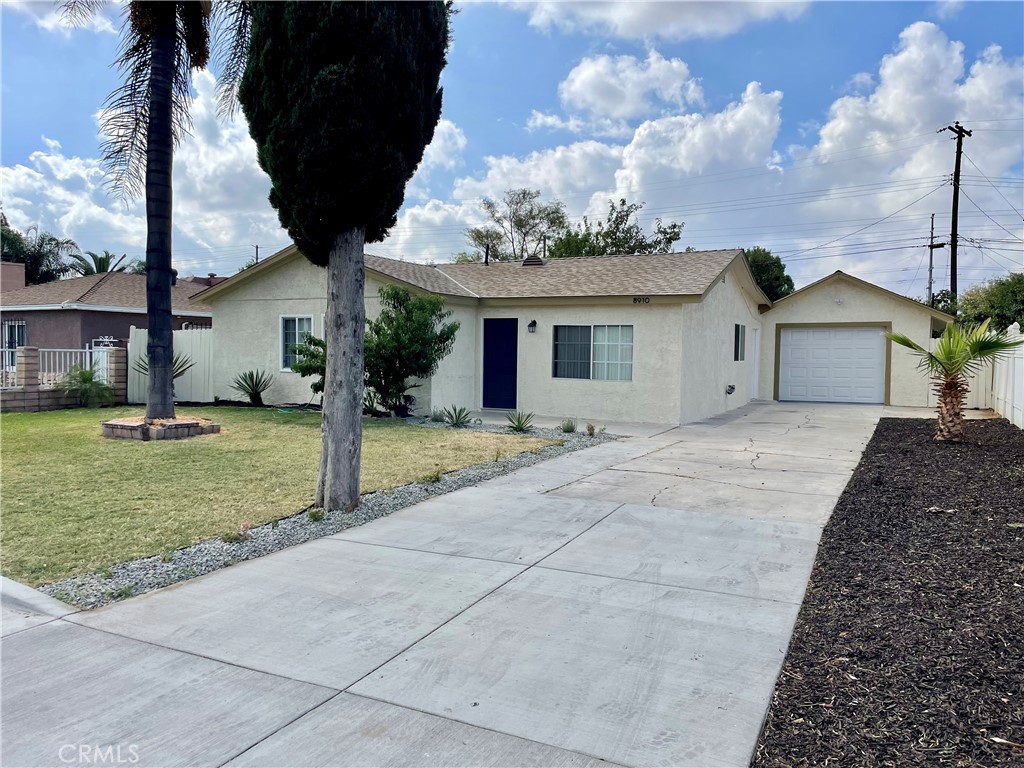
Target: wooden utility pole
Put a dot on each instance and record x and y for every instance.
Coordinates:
(932, 245)
(960, 132)
(257, 253)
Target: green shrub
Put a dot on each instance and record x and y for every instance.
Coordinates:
(519, 421)
(437, 415)
(84, 384)
(457, 416)
(253, 384)
(569, 425)
(315, 515)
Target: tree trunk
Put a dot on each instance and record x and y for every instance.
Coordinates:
(950, 422)
(338, 483)
(159, 164)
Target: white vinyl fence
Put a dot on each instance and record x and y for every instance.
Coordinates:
(1008, 382)
(196, 385)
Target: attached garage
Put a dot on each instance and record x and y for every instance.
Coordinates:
(832, 364)
(826, 343)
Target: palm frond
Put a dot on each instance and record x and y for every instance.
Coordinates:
(78, 12)
(125, 120)
(232, 32)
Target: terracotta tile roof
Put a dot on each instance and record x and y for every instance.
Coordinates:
(110, 289)
(661, 274)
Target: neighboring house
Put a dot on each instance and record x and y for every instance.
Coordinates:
(70, 314)
(825, 342)
(661, 338)
(648, 338)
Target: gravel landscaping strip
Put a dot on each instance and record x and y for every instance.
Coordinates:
(138, 576)
(908, 648)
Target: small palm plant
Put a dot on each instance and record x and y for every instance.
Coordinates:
(181, 365)
(85, 384)
(520, 421)
(959, 353)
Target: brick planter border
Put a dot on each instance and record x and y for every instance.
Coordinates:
(120, 429)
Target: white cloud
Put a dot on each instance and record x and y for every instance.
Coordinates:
(444, 152)
(603, 127)
(948, 9)
(220, 196)
(667, 20)
(623, 87)
(48, 16)
(723, 174)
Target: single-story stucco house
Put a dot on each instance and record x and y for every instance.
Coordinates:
(661, 338)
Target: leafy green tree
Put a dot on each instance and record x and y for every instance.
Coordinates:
(619, 234)
(342, 99)
(408, 339)
(311, 361)
(944, 301)
(143, 120)
(97, 263)
(959, 353)
(43, 254)
(769, 272)
(1001, 299)
(519, 225)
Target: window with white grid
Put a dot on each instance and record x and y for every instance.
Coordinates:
(293, 331)
(613, 352)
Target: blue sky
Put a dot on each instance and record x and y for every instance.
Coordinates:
(786, 125)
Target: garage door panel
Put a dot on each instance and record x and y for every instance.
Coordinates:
(832, 364)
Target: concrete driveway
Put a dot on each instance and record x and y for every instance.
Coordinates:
(631, 603)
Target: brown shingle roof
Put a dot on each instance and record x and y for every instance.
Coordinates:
(421, 275)
(110, 289)
(658, 274)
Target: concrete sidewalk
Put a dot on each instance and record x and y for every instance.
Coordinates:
(630, 604)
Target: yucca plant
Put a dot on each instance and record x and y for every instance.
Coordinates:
(519, 421)
(180, 365)
(84, 383)
(253, 384)
(568, 425)
(959, 354)
(456, 416)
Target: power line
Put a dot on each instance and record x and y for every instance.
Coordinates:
(990, 182)
(1011, 234)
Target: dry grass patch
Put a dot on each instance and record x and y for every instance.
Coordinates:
(73, 502)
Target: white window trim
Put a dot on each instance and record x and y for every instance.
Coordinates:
(592, 326)
(280, 337)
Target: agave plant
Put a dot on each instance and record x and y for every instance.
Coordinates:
(253, 384)
(456, 416)
(520, 421)
(959, 353)
(180, 366)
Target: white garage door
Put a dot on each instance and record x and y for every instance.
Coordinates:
(832, 365)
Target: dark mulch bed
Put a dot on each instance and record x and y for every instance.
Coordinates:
(909, 648)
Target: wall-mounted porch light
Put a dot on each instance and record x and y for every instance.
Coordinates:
(532, 327)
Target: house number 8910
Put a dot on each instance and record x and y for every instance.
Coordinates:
(641, 299)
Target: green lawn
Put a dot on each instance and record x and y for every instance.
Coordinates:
(72, 502)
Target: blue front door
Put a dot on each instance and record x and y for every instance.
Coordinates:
(501, 347)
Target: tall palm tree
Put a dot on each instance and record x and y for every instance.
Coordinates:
(959, 353)
(143, 120)
(97, 263)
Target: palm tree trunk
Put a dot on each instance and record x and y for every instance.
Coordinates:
(338, 483)
(159, 164)
(950, 422)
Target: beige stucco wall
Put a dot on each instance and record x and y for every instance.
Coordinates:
(653, 394)
(248, 326)
(708, 334)
(841, 301)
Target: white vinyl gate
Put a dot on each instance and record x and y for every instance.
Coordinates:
(196, 385)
